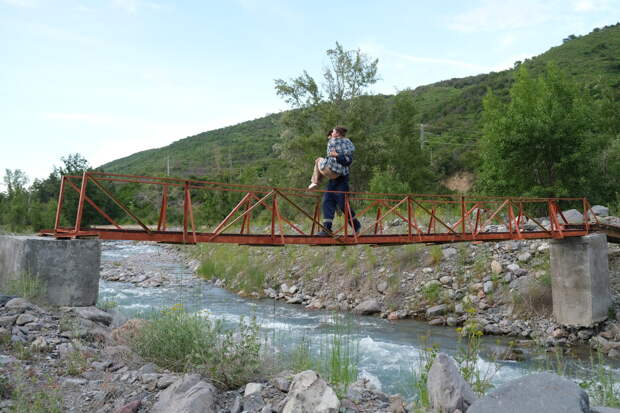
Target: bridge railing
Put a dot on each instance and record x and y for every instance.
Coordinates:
(295, 215)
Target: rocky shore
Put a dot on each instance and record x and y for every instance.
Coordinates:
(79, 359)
(503, 288)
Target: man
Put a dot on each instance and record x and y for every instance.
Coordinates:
(342, 155)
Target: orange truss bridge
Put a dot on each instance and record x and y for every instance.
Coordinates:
(279, 216)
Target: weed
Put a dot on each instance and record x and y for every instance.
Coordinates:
(601, 385)
(106, 305)
(185, 342)
(22, 352)
(27, 286)
(338, 355)
(436, 254)
(75, 363)
(467, 359)
(47, 400)
(419, 373)
(432, 292)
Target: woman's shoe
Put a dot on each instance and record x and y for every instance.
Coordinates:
(312, 186)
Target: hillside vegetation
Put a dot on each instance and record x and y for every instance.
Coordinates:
(450, 109)
(549, 126)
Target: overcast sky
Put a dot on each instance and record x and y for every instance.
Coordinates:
(107, 78)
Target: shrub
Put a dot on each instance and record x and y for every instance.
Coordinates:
(187, 342)
(432, 292)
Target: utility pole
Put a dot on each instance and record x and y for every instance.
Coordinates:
(421, 136)
(168, 166)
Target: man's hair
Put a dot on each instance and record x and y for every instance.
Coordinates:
(341, 130)
(329, 133)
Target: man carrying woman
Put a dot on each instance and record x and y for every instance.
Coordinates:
(335, 167)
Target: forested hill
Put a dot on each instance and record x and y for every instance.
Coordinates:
(451, 109)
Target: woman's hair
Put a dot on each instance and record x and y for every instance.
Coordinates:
(329, 133)
(341, 130)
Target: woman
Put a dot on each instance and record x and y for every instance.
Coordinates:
(339, 156)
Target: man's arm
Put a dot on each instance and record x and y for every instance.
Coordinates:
(345, 159)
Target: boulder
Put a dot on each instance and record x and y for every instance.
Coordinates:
(25, 318)
(189, 394)
(544, 392)
(19, 304)
(309, 393)
(131, 407)
(367, 307)
(93, 314)
(496, 267)
(600, 210)
(600, 409)
(449, 252)
(252, 400)
(447, 389)
(524, 256)
(572, 217)
(436, 310)
(382, 286)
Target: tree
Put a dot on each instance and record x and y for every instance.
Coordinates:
(340, 99)
(540, 142)
(411, 162)
(348, 75)
(15, 181)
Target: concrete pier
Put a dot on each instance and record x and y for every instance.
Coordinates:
(67, 270)
(580, 280)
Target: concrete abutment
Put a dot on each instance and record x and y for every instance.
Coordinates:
(580, 280)
(67, 270)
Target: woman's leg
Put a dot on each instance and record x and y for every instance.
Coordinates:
(317, 176)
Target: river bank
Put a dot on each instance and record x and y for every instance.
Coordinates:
(504, 288)
(76, 358)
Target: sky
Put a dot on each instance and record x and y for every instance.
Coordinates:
(108, 78)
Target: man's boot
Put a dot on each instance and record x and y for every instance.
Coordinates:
(328, 227)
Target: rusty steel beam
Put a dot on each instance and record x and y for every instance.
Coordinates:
(267, 239)
(421, 210)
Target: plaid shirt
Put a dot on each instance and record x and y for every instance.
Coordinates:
(344, 148)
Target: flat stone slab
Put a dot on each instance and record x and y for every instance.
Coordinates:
(545, 393)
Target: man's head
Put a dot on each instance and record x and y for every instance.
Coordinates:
(339, 131)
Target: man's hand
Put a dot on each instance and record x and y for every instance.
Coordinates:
(333, 153)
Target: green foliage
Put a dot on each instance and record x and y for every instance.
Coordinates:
(26, 286)
(337, 355)
(432, 292)
(539, 143)
(467, 359)
(387, 182)
(234, 265)
(436, 254)
(419, 374)
(601, 385)
(180, 341)
(46, 400)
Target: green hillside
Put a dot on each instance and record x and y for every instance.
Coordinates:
(450, 110)
(208, 153)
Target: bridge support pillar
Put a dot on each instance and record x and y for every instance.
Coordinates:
(580, 280)
(63, 272)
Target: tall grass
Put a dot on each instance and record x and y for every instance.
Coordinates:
(335, 354)
(26, 285)
(183, 342)
(234, 265)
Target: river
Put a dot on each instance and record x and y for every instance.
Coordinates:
(387, 350)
